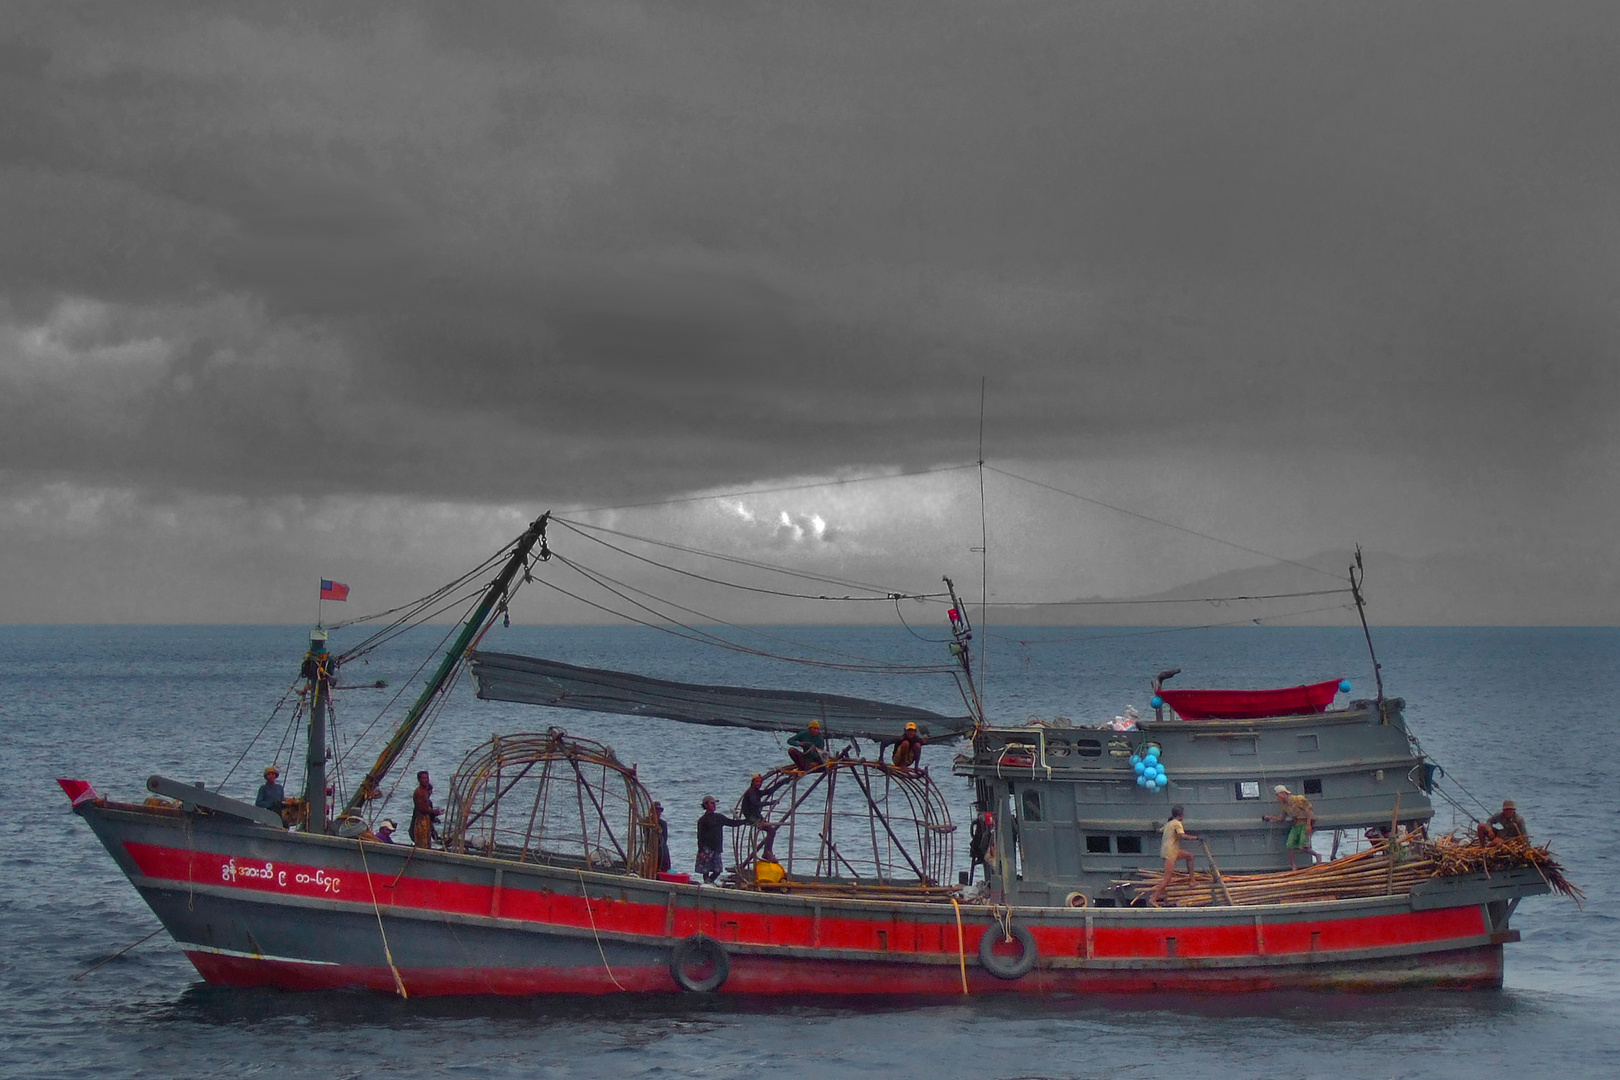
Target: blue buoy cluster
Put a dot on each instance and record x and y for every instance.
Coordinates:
(1149, 773)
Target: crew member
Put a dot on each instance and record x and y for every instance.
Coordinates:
(1297, 810)
(663, 838)
(710, 837)
(808, 749)
(753, 800)
(908, 751)
(424, 815)
(1507, 825)
(752, 807)
(1170, 848)
(385, 831)
(272, 796)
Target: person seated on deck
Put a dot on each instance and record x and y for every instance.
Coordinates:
(710, 838)
(385, 831)
(1506, 825)
(908, 751)
(1296, 809)
(423, 813)
(1172, 851)
(808, 749)
(272, 796)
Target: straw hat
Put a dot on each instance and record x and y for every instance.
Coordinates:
(271, 770)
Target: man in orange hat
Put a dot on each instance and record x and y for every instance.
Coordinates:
(272, 796)
(808, 749)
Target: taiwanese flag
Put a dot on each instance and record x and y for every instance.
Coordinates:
(334, 590)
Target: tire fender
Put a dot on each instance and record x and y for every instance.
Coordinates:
(699, 964)
(1005, 967)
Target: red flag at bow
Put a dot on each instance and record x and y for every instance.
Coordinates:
(334, 590)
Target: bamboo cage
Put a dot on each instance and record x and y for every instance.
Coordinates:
(553, 799)
(849, 827)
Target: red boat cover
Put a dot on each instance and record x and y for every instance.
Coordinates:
(1251, 704)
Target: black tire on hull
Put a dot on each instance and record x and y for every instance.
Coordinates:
(1007, 967)
(699, 964)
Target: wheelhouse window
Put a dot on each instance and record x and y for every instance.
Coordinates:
(1128, 845)
(1032, 805)
(1098, 845)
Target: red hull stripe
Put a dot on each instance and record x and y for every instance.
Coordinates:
(702, 912)
(757, 976)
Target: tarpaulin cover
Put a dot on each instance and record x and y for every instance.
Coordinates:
(536, 681)
(1251, 704)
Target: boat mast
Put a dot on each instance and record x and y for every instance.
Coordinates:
(318, 670)
(370, 787)
(962, 632)
(1357, 572)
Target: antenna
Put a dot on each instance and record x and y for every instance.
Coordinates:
(984, 548)
(1357, 572)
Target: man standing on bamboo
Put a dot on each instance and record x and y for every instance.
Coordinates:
(1170, 847)
(1296, 809)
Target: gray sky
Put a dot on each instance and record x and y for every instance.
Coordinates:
(291, 291)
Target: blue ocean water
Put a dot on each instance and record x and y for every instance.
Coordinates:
(1517, 712)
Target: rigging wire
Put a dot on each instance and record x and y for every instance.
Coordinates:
(606, 583)
(738, 560)
(1166, 524)
(698, 636)
(291, 690)
(738, 585)
(774, 490)
(415, 604)
(1172, 629)
(1180, 600)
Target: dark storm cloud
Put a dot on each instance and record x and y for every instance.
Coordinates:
(645, 248)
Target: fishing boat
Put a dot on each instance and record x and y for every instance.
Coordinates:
(545, 875)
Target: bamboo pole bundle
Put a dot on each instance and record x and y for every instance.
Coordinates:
(1383, 870)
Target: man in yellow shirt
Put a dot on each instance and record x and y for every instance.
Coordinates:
(1174, 833)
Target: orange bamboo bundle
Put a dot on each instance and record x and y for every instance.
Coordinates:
(1369, 873)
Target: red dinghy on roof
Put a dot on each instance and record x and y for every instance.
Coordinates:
(1251, 704)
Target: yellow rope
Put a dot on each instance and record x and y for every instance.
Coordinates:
(586, 896)
(399, 983)
(961, 945)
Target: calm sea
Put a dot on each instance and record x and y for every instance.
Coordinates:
(1526, 713)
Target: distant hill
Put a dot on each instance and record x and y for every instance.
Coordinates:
(1439, 590)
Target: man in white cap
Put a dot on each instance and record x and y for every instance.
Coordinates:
(385, 831)
(1296, 809)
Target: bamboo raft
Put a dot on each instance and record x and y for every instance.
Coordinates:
(1388, 869)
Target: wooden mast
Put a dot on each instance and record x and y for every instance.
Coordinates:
(370, 787)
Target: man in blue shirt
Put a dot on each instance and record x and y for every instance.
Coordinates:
(272, 796)
(808, 749)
